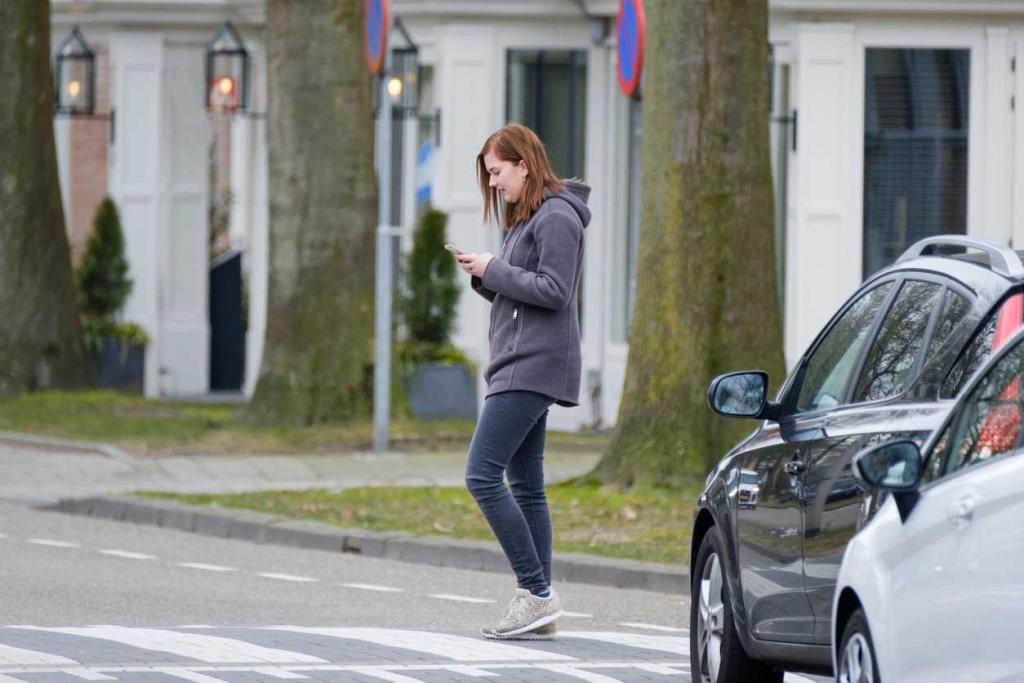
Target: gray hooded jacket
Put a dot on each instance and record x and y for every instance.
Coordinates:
(532, 286)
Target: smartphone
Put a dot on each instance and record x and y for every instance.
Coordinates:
(455, 251)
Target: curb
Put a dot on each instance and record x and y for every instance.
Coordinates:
(108, 450)
(440, 552)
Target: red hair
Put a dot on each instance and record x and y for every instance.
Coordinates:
(515, 142)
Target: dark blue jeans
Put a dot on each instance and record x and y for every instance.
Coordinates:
(509, 439)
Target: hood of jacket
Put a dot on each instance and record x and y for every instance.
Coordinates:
(576, 193)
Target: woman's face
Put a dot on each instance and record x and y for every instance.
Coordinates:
(505, 176)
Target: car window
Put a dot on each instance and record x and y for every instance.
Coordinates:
(828, 370)
(896, 348)
(954, 308)
(989, 419)
(999, 325)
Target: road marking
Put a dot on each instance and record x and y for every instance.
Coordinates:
(461, 598)
(17, 655)
(11, 679)
(383, 674)
(653, 627)
(88, 675)
(678, 646)
(187, 675)
(287, 577)
(206, 567)
(573, 672)
(577, 615)
(471, 671)
(52, 543)
(204, 648)
(660, 669)
(282, 674)
(458, 648)
(373, 587)
(127, 554)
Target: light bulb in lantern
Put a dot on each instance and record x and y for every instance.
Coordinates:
(74, 87)
(395, 87)
(226, 85)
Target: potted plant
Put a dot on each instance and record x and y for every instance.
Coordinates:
(439, 378)
(117, 348)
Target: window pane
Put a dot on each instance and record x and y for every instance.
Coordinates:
(995, 330)
(915, 149)
(954, 308)
(991, 419)
(829, 368)
(895, 350)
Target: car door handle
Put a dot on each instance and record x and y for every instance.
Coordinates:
(962, 512)
(795, 467)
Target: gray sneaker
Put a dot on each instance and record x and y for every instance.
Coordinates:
(545, 632)
(526, 613)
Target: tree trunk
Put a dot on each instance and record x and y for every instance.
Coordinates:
(706, 291)
(40, 334)
(317, 362)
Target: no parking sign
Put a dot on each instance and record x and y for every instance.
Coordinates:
(376, 19)
(630, 37)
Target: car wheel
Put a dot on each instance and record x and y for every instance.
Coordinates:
(716, 654)
(857, 662)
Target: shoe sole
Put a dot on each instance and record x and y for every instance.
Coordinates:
(543, 621)
(522, 636)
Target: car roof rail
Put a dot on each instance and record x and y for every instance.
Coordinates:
(1003, 260)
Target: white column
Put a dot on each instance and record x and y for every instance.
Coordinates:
(257, 257)
(137, 61)
(997, 208)
(824, 250)
(62, 139)
(471, 86)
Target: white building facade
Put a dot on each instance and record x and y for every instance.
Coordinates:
(892, 120)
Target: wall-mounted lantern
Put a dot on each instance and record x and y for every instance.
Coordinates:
(75, 77)
(227, 72)
(403, 80)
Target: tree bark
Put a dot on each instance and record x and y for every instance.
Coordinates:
(40, 334)
(317, 362)
(706, 290)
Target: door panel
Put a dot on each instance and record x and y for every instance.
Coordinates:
(769, 531)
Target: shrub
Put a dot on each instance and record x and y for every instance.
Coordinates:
(102, 277)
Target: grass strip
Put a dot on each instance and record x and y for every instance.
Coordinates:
(145, 426)
(641, 524)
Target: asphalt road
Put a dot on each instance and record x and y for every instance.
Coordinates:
(91, 599)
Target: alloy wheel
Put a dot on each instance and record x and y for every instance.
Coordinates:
(857, 664)
(710, 619)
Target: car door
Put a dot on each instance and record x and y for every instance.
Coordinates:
(954, 571)
(769, 522)
(834, 497)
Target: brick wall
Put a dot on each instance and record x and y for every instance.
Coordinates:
(87, 160)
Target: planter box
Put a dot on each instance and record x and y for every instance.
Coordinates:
(119, 366)
(442, 391)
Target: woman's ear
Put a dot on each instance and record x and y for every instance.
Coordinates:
(522, 166)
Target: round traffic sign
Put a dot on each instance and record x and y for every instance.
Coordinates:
(630, 34)
(376, 20)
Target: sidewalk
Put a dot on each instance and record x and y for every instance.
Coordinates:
(91, 479)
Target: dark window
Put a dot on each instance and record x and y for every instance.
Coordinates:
(954, 308)
(996, 328)
(829, 368)
(895, 351)
(989, 423)
(547, 91)
(915, 149)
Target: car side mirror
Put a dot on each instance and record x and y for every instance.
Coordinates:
(894, 466)
(742, 394)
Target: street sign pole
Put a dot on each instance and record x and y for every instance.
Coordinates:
(378, 24)
(382, 329)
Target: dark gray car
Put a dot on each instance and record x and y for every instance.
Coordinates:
(779, 508)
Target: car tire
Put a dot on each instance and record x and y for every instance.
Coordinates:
(856, 656)
(716, 654)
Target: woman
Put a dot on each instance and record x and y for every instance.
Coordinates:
(535, 359)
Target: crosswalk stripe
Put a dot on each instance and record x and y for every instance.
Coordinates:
(282, 674)
(88, 675)
(127, 554)
(206, 567)
(582, 674)
(4, 678)
(383, 674)
(461, 598)
(52, 543)
(662, 669)
(458, 648)
(187, 675)
(211, 649)
(17, 655)
(678, 646)
(471, 671)
(288, 577)
(373, 587)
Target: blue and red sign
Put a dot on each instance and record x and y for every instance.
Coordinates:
(630, 38)
(376, 21)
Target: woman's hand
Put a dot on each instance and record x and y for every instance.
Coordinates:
(474, 264)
